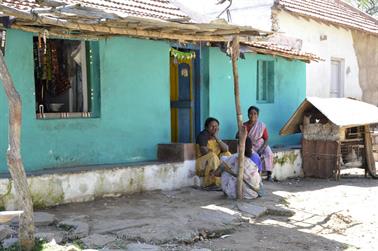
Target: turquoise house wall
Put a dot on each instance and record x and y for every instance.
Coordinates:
(289, 92)
(135, 112)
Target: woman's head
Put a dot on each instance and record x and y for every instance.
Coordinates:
(253, 114)
(212, 125)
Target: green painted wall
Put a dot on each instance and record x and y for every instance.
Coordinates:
(135, 113)
(289, 92)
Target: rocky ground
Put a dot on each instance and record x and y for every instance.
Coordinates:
(308, 214)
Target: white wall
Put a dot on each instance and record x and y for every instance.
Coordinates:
(339, 44)
(255, 13)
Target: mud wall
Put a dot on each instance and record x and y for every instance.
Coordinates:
(366, 48)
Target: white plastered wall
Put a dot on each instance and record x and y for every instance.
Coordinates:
(337, 43)
(255, 13)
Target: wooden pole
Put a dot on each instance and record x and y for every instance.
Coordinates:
(239, 118)
(371, 168)
(16, 167)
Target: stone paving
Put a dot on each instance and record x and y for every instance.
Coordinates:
(190, 219)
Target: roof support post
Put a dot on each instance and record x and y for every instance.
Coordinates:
(239, 117)
(16, 167)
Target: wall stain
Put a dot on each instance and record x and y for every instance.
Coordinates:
(289, 157)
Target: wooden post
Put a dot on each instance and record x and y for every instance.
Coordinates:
(15, 165)
(369, 153)
(338, 162)
(239, 118)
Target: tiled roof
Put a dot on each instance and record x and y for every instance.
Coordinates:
(270, 48)
(157, 9)
(157, 19)
(333, 11)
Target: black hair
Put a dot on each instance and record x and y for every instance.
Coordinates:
(253, 108)
(209, 120)
(248, 148)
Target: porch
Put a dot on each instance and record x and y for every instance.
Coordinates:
(57, 186)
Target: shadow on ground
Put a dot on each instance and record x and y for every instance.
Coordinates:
(182, 220)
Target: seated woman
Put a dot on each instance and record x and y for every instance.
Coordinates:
(228, 170)
(211, 148)
(258, 134)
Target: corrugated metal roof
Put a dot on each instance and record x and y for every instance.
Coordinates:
(343, 112)
(157, 9)
(334, 11)
(280, 50)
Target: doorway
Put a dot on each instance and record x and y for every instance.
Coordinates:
(183, 95)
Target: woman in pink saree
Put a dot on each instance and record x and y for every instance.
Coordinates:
(258, 134)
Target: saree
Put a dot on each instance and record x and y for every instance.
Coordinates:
(251, 175)
(256, 136)
(210, 162)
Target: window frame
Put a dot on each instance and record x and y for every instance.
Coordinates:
(91, 85)
(267, 82)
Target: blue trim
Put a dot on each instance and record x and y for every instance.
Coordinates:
(197, 93)
(196, 83)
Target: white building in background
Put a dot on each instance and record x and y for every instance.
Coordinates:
(343, 36)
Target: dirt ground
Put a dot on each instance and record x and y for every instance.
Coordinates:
(306, 214)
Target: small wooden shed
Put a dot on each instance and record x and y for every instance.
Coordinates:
(337, 134)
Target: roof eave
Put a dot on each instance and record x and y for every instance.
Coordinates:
(130, 26)
(280, 7)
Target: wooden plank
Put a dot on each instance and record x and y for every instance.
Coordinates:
(100, 28)
(351, 140)
(320, 158)
(75, 21)
(6, 216)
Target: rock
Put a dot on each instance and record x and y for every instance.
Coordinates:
(200, 249)
(142, 247)
(77, 228)
(97, 240)
(218, 215)
(49, 236)
(251, 210)
(43, 219)
(278, 211)
(6, 231)
(9, 242)
(112, 226)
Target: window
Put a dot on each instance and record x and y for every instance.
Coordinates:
(66, 76)
(265, 81)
